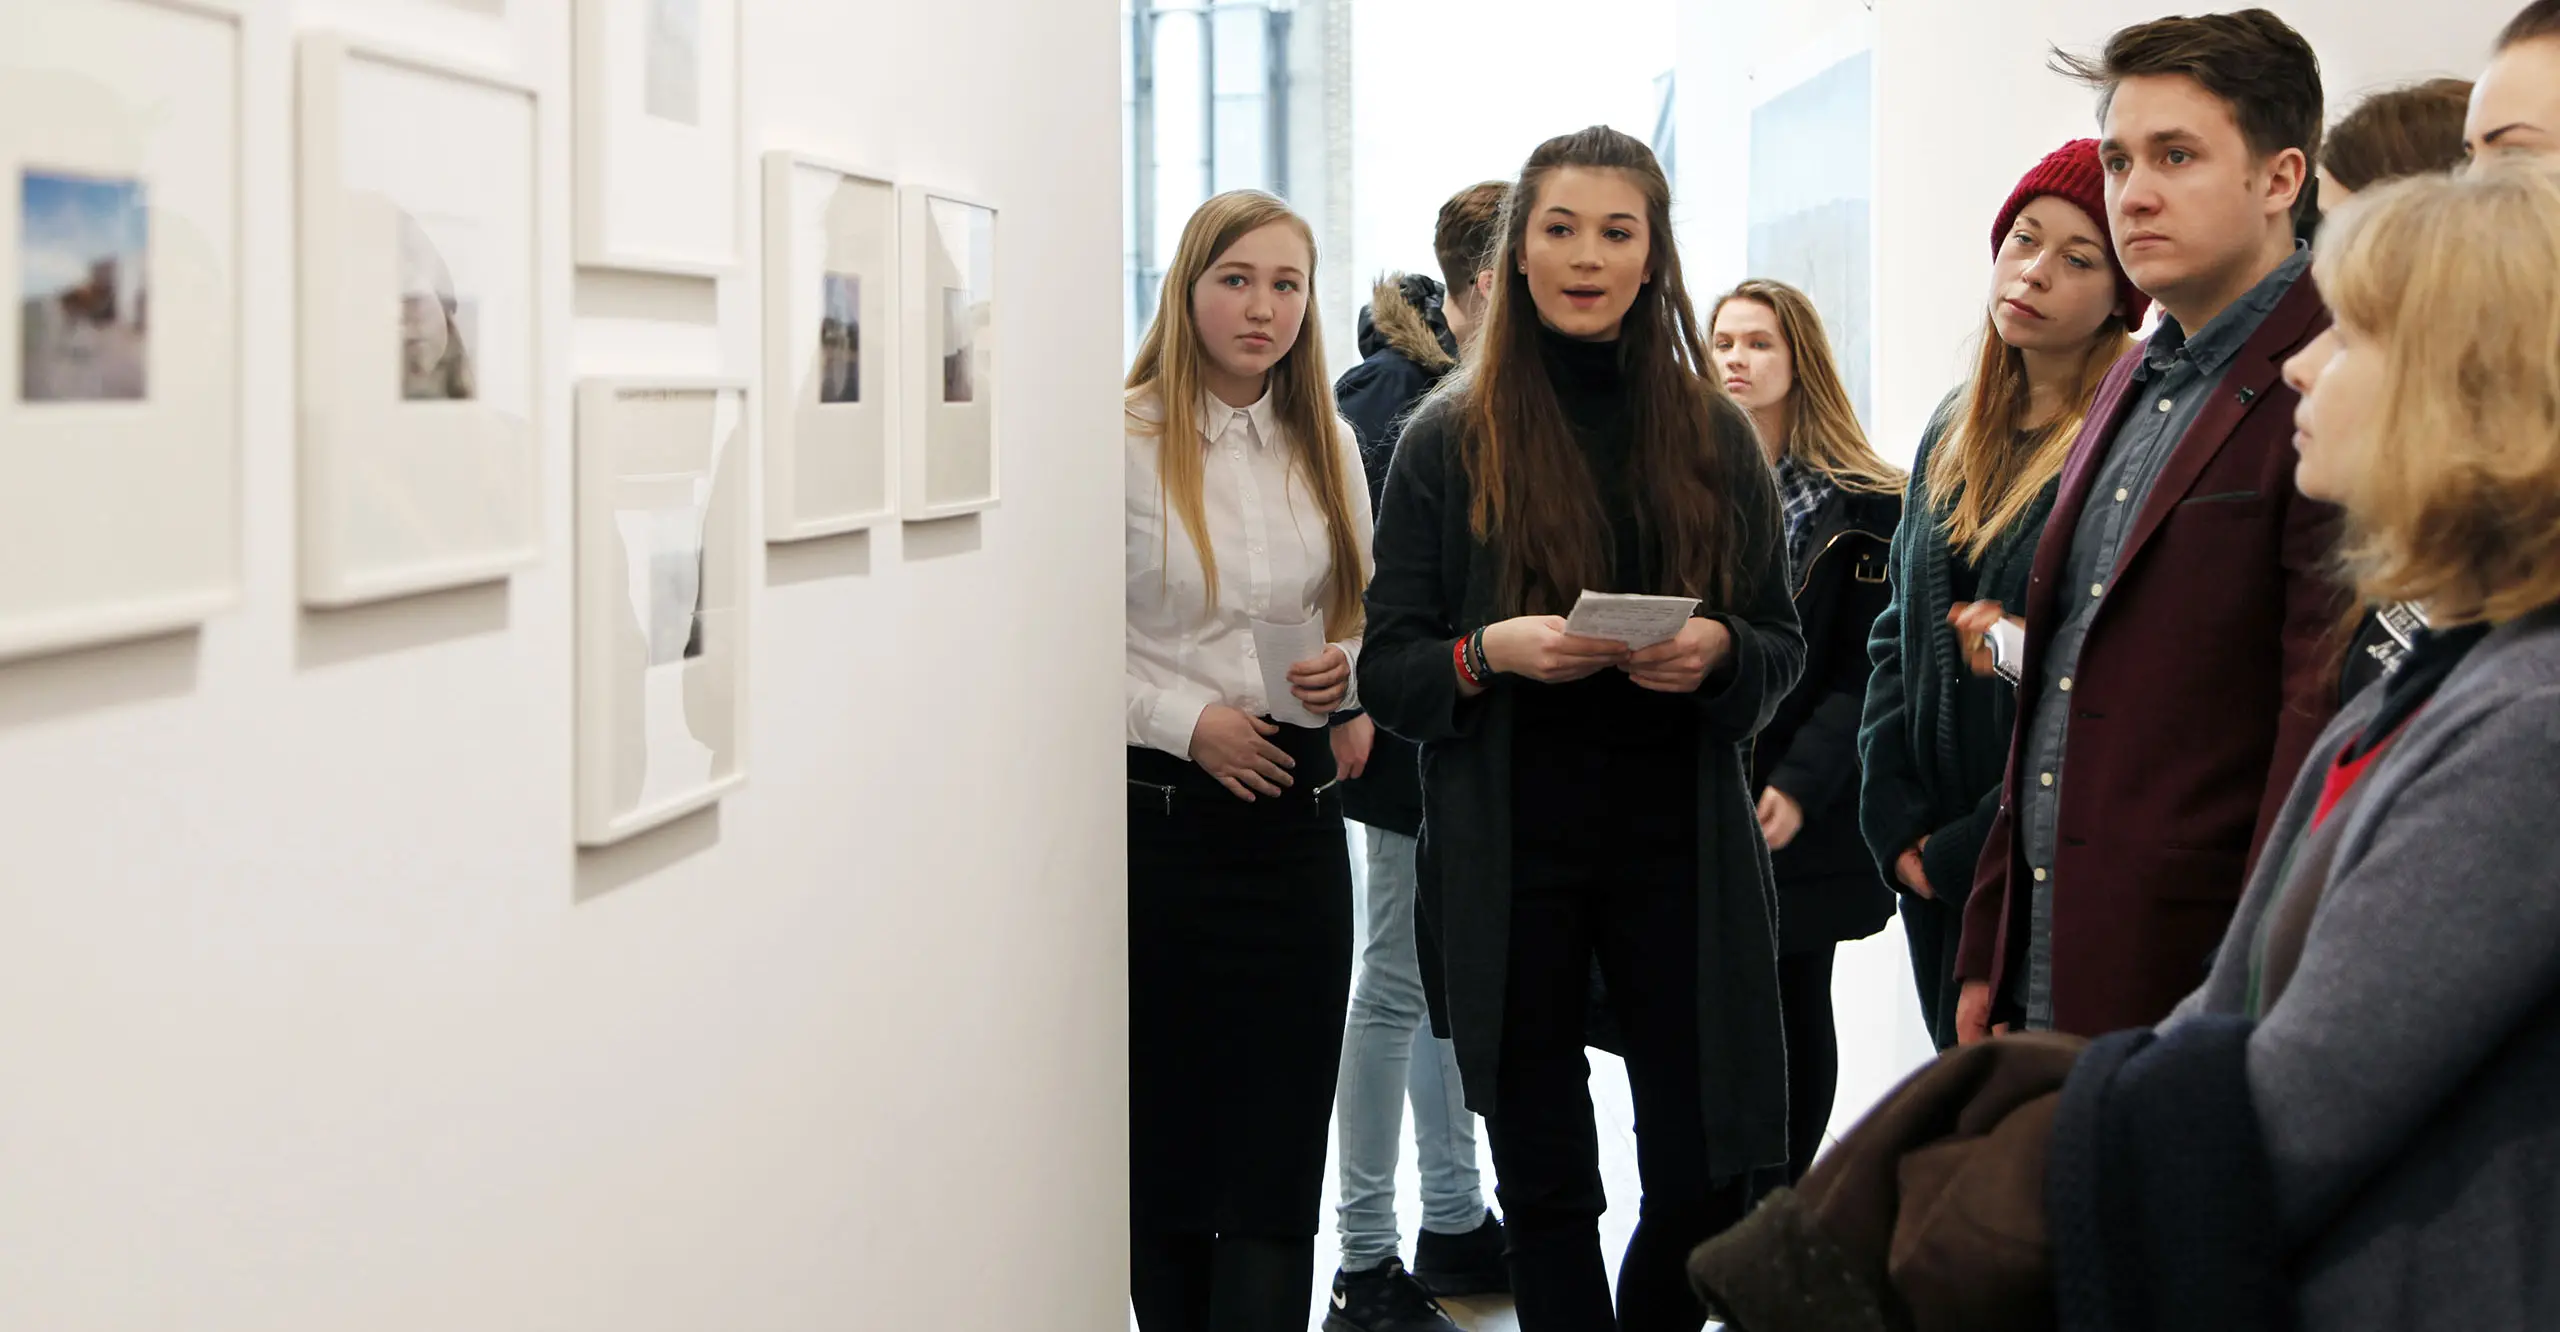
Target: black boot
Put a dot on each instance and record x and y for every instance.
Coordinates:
(1384, 1299)
(1452, 1266)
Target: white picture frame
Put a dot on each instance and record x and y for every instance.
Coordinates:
(662, 661)
(657, 135)
(421, 324)
(950, 419)
(495, 34)
(831, 276)
(120, 243)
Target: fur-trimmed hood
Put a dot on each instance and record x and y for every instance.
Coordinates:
(1404, 315)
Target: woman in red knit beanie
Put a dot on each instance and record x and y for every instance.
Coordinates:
(1934, 740)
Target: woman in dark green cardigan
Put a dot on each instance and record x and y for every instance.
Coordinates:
(1934, 741)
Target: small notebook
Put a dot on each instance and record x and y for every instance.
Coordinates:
(1631, 618)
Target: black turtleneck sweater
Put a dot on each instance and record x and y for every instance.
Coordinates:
(1602, 756)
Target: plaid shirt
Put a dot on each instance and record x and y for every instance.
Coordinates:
(1801, 491)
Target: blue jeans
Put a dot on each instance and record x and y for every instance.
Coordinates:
(1388, 1051)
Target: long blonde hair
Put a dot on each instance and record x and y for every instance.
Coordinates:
(2453, 497)
(1823, 433)
(1981, 472)
(1168, 373)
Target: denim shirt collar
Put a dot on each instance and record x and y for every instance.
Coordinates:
(2225, 334)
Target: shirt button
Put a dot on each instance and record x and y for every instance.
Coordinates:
(2123, 495)
(2097, 589)
(1248, 652)
(2167, 403)
(2048, 779)
(2066, 684)
(2039, 876)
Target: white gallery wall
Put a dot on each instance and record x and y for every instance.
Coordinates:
(310, 1017)
(1963, 106)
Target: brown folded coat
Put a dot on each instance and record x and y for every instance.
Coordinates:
(1941, 1190)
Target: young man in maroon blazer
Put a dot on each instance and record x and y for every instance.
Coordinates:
(2178, 622)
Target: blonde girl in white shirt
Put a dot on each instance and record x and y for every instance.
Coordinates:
(1246, 504)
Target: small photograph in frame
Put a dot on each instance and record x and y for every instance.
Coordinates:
(831, 278)
(960, 346)
(662, 550)
(439, 312)
(840, 339)
(120, 251)
(420, 448)
(954, 321)
(656, 130)
(84, 260)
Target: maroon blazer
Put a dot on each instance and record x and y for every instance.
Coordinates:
(2206, 675)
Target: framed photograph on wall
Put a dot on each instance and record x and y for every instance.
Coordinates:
(421, 439)
(657, 135)
(120, 244)
(949, 465)
(662, 575)
(830, 357)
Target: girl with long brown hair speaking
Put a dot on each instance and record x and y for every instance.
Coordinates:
(1581, 799)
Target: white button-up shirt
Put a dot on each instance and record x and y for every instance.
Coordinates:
(1273, 557)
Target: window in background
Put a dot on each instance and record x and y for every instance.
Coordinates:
(1812, 190)
(1666, 92)
(1218, 95)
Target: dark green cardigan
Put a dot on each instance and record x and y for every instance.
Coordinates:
(1933, 745)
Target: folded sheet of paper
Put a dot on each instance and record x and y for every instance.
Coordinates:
(1631, 618)
(1279, 647)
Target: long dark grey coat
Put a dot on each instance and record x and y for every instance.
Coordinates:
(1433, 577)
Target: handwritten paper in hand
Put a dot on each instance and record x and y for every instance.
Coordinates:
(1631, 618)
(1279, 647)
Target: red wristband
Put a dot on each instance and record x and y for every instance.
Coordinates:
(1459, 655)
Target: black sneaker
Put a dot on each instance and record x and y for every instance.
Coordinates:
(1453, 1266)
(1384, 1299)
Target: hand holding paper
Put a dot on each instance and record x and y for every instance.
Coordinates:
(1279, 647)
(1536, 647)
(1681, 663)
(1633, 619)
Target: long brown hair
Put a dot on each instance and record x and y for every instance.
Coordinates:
(1982, 473)
(1167, 377)
(1823, 433)
(1693, 462)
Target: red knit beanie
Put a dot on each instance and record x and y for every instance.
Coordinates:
(2071, 173)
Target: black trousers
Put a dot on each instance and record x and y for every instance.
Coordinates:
(1239, 974)
(1813, 1051)
(1638, 914)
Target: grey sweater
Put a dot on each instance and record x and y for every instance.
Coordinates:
(2407, 1082)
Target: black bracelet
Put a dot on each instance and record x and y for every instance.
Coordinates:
(1477, 662)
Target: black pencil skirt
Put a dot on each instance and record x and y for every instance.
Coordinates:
(1239, 973)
